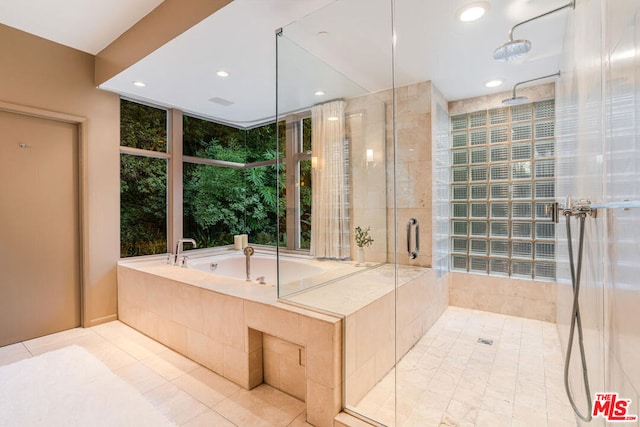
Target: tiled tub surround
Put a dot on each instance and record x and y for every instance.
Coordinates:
(219, 323)
(379, 321)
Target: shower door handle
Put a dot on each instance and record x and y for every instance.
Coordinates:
(413, 254)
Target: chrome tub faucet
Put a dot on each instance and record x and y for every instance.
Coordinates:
(180, 247)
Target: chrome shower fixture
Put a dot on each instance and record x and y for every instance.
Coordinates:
(516, 100)
(516, 48)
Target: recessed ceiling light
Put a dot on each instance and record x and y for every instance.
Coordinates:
(222, 73)
(138, 83)
(472, 11)
(493, 83)
(318, 93)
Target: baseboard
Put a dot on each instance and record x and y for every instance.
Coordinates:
(101, 320)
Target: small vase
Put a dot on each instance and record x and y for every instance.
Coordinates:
(360, 256)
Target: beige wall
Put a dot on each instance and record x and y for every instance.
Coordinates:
(365, 127)
(413, 168)
(45, 75)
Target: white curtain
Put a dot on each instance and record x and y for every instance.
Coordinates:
(330, 178)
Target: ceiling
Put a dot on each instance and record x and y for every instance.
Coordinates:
(88, 26)
(352, 58)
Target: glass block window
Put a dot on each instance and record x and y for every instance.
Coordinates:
(502, 183)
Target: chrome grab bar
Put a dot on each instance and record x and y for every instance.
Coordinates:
(413, 254)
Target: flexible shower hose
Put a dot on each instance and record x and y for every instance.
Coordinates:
(576, 320)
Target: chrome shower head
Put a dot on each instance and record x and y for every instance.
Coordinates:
(511, 50)
(516, 48)
(515, 100)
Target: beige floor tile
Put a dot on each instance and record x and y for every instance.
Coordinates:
(491, 419)
(170, 364)
(112, 356)
(113, 330)
(560, 422)
(141, 377)
(462, 412)
(128, 339)
(149, 366)
(300, 421)
(13, 353)
(82, 337)
(206, 386)
(209, 418)
(175, 404)
(498, 384)
(262, 406)
(57, 340)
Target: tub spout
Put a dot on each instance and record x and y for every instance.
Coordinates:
(248, 251)
(179, 246)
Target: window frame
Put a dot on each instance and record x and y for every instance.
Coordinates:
(175, 167)
(294, 154)
(166, 155)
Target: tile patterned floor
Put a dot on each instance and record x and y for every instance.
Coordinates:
(188, 394)
(449, 379)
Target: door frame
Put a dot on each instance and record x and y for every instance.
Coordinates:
(80, 123)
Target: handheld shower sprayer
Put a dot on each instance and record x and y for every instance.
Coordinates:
(579, 209)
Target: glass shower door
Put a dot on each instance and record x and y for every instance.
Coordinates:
(336, 173)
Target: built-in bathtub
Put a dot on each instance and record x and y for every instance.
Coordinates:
(262, 265)
(235, 327)
(230, 325)
(297, 273)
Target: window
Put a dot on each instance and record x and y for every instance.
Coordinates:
(229, 183)
(297, 158)
(143, 176)
(502, 182)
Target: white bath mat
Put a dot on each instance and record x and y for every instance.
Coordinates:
(70, 387)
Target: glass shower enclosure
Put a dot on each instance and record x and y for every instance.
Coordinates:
(356, 184)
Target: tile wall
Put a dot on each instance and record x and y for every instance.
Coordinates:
(370, 125)
(365, 128)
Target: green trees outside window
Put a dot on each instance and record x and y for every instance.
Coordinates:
(143, 180)
(229, 181)
(235, 196)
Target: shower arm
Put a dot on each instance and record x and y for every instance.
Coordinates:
(513, 93)
(572, 5)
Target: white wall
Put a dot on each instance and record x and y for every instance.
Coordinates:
(599, 158)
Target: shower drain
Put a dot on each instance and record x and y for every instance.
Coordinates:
(485, 341)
